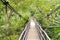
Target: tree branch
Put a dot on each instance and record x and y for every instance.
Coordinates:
(54, 11)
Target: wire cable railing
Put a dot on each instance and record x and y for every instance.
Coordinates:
(42, 34)
(24, 33)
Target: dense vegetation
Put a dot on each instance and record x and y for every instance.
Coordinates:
(47, 13)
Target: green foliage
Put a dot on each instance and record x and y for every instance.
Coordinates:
(11, 25)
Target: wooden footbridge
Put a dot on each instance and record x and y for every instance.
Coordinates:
(33, 31)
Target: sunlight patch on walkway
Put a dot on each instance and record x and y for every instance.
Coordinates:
(32, 23)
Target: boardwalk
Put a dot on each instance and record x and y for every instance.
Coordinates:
(33, 31)
(32, 34)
